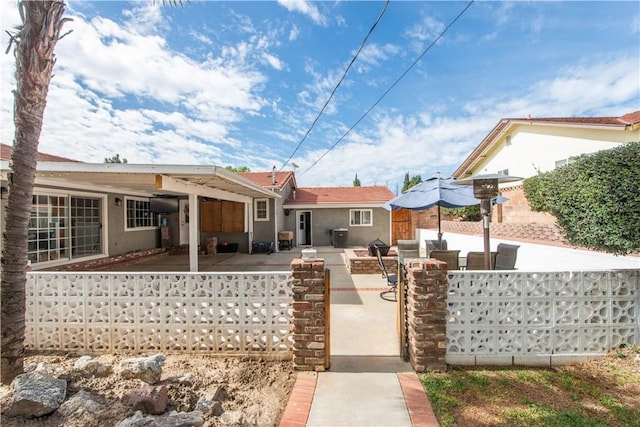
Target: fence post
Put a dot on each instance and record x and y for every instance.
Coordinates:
(309, 321)
(426, 314)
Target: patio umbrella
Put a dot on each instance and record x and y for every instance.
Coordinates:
(436, 191)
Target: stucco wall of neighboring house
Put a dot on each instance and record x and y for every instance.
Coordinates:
(536, 148)
(121, 241)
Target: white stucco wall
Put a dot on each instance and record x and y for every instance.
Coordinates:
(536, 147)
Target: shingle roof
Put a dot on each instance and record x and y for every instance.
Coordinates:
(341, 195)
(264, 179)
(5, 154)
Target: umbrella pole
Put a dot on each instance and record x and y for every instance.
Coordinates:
(485, 209)
(439, 229)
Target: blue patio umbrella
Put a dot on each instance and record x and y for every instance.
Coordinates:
(436, 191)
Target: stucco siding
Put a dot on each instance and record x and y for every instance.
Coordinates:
(534, 148)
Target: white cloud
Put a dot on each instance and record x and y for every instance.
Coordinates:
(424, 32)
(373, 54)
(306, 8)
(431, 141)
(294, 33)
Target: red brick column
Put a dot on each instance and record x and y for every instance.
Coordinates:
(309, 322)
(426, 306)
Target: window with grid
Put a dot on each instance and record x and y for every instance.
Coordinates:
(139, 215)
(360, 217)
(48, 228)
(262, 210)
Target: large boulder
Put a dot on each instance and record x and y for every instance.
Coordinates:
(147, 369)
(36, 394)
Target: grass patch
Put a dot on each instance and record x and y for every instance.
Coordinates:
(602, 392)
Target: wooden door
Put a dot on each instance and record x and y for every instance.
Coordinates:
(401, 228)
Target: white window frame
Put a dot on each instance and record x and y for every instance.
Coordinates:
(353, 224)
(126, 212)
(257, 210)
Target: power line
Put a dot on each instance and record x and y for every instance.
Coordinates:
(344, 75)
(390, 87)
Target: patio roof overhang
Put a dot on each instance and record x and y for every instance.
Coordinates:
(149, 180)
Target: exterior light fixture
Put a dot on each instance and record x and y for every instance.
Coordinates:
(118, 201)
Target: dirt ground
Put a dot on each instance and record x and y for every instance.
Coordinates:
(257, 391)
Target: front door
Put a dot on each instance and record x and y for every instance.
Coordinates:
(304, 228)
(184, 221)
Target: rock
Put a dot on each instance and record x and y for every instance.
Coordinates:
(137, 420)
(147, 369)
(90, 367)
(173, 419)
(181, 419)
(45, 368)
(209, 407)
(149, 399)
(36, 394)
(80, 405)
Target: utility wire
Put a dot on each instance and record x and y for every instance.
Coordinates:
(390, 87)
(344, 75)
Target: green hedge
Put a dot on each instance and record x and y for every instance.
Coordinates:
(596, 199)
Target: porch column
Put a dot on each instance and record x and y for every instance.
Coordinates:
(194, 232)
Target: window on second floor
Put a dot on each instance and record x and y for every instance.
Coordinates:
(360, 217)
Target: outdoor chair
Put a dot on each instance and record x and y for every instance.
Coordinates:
(435, 244)
(408, 249)
(392, 279)
(475, 260)
(506, 257)
(449, 256)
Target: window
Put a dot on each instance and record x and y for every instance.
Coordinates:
(262, 210)
(360, 217)
(503, 172)
(564, 162)
(64, 227)
(139, 215)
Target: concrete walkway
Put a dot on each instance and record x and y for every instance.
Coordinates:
(368, 383)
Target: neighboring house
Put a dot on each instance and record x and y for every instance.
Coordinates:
(313, 213)
(525, 146)
(83, 211)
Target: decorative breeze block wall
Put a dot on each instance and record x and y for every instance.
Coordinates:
(223, 313)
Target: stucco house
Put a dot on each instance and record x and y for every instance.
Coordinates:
(87, 211)
(82, 211)
(525, 146)
(314, 213)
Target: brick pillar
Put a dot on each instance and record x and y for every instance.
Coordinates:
(309, 322)
(426, 306)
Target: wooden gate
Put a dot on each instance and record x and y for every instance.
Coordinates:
(401, 228)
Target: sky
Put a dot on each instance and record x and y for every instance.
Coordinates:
(241, 83)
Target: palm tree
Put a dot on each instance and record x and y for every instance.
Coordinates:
(35, 40)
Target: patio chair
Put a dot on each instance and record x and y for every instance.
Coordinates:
(475, 260)
(435, 244)
(408, 249)
(506, 257)
(448, 256)
(392, 279)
